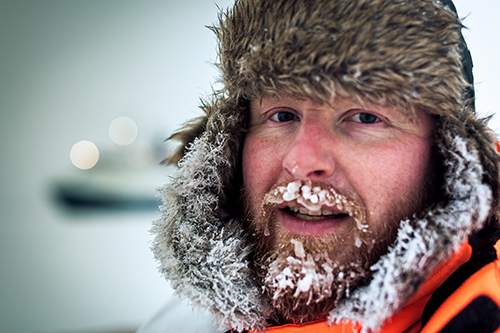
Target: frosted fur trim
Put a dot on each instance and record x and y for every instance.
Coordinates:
(203, 257)
(206, 262)
(422, 244)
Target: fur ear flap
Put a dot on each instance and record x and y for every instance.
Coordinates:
(186, 135)
(189, 132)
(485, 143)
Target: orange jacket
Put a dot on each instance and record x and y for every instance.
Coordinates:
(474, 306)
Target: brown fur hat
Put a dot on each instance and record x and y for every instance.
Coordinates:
(408, 53)
(405, 53)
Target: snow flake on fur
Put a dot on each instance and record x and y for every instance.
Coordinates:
(203, 257)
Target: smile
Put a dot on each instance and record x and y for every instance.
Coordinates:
(303, 213)
(302, 201)
(299, 220)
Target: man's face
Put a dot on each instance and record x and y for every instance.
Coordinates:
(325, 188)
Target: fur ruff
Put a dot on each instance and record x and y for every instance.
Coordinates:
(198, 240)
(204, 257)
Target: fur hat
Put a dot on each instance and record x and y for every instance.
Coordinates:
(408, 53)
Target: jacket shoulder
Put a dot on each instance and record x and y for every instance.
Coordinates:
(475, 305)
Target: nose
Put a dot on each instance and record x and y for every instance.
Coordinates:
(309, 156)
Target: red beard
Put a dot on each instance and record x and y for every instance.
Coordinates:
(305, 277)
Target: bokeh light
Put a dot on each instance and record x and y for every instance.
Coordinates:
(123, 131)
(84, 154)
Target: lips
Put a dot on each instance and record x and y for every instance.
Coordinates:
(313, 223)
(314, 209)
(303, 213)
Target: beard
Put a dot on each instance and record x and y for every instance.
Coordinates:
(304, 277)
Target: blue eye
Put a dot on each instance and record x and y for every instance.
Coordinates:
(283, 116)
(365, 118)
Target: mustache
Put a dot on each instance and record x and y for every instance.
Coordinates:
(315, 196)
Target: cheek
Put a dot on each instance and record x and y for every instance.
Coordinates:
(392, 175)
(252, 162)
(261, 165)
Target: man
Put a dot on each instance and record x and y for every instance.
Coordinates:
(340, 181)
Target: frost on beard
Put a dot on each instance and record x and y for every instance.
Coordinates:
(315, 197)
(300, 275)
(308, 279)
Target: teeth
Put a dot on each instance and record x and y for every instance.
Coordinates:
(315, 212)
(298, 194)
(305, 211)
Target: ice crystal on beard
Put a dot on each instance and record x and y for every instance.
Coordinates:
(298, 248)
(309, 278)
(314, 197)
(301, 276)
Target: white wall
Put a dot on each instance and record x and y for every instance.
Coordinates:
(483, 38)
(67, 69)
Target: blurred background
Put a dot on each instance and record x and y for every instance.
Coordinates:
(89, 90)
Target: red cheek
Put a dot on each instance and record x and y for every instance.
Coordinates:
(261, 166)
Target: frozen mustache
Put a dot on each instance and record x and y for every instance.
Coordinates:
(314, 197)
